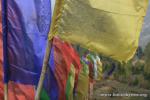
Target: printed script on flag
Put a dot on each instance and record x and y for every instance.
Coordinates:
(111, 28)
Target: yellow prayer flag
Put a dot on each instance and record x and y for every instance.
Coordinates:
(108, 27)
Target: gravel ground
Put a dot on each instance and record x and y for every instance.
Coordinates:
(109, 89)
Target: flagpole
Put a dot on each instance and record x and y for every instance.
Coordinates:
(5, 56)
(6, 91)
(48, 49)
(43, 72)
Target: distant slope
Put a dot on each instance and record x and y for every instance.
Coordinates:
(145, 35)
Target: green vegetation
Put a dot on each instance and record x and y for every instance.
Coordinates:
(136, 72)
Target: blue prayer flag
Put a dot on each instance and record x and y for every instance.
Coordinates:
(26, 25)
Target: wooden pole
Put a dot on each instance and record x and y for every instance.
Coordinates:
(5, 91)
(48, 49)
(43, 72)
(3, 4)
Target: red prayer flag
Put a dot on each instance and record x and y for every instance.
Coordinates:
(64, 56)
